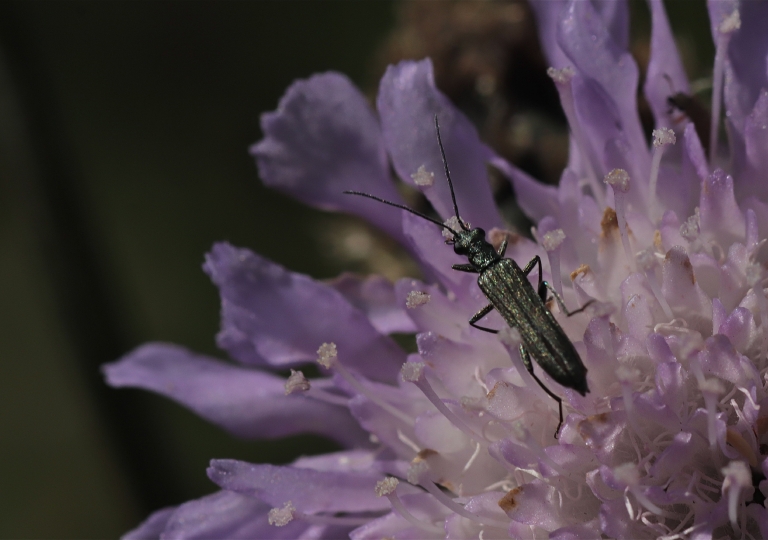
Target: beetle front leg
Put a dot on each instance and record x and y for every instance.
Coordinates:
(479, 315)
(503, 247)
(529, 366)
(465, 268)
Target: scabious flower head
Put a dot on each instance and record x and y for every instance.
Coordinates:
(457, 440)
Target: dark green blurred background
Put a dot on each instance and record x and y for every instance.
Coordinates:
(124, 129)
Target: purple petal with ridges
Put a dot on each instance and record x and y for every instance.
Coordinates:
(439, 314)
(152, 527)
(536, 505)
(227, 515)
(670, 388)
(720, 359)
(448, 359)
(602, 434)
(408, 102)
(310, 491)
(665, 75)
(570, 198)
(428, 243)
(739, 327)
(685, 297)
(486, 507)
(747, 54)
(548, 14)
(616, 523)
(615, 15)
(324, 139)
(286, 316)
(375, 296)
(721, 219)
(694, 154)
(760, 515)
(422, 506)
(718, 11)
(679, 187)
(350, 461)
(605, 99)
(537, 200)
(576, 532)
(245, 402)
(752, 179)
(658, 349)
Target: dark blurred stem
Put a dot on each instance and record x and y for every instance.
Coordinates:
(40, 165)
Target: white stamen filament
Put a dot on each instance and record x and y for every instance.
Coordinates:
(646, 502)
(626, 376)
(661, 139)
(562, 78)
(452, 505)
(754, 274)
(472, 458)
(407, 441)
(737, 478)
(551, 242)
(414, 372)
(618, 179)
(710, 390)
(331, 361)
(646, 259)
(282, 516)
(399, 507)
(323, 395)
(725, 31)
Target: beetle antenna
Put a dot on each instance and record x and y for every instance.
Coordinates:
(402, 207)
(448, 175)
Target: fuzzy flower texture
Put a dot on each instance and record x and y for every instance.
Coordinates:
(458, 441)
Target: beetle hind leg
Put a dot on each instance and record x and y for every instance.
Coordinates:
(479, 315)
(529, 366)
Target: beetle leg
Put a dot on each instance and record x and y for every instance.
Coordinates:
(544, 285)
(465, 268)
(529, 366)
(541, 288)
(479, 315)
(503, 247)
(561, 303)
(533, 262)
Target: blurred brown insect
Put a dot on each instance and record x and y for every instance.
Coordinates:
(688, 106)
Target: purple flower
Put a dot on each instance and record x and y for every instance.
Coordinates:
(457, 441)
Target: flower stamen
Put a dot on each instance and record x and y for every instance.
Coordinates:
(328, 358)
(388, 488)
(661, 139)
(724, 32)
(414, 372)
(618, 179)
(551, 243)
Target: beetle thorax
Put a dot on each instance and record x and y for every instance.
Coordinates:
(473, 245)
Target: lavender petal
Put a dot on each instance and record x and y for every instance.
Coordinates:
(309, 490)
(324, 139)
(284, 317)
(245, 402)
(408, 102)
